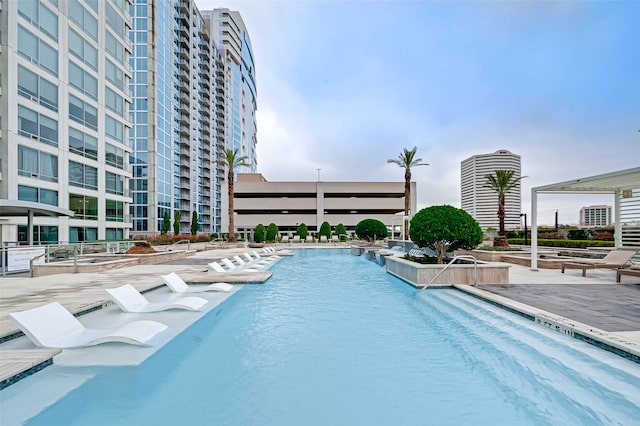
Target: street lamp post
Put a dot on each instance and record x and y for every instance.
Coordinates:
(525, 228)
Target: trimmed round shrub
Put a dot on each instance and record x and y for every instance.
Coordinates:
(260, 233)
(303, 231)
(340, 231)
(445, 228)
(272, 232)
(325, 229)
(371, 229)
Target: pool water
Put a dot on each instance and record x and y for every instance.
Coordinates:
(332, 339)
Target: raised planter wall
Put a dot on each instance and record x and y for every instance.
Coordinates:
(104, 262)
(418, 274)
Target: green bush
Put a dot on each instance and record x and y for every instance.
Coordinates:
(578, 234)
(272, 232)
(176, 222)
(371, 229)
(166, 223)
(195, 225)
(565, 243)
(325, 229)
(303, 231)
(340, 231)
(260, 233)
(444, 228)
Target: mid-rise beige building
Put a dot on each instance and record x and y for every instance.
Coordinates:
(288, 204)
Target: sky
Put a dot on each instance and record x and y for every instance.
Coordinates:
(343, 86)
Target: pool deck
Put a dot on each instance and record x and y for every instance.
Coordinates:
(595, 302)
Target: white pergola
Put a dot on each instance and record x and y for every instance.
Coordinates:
(620, 184)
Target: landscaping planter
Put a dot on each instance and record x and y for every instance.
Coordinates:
(418, 274)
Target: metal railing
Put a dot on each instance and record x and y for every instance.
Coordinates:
(462, 256)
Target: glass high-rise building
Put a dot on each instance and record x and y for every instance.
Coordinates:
(230, 34)
(174, 137)
(64, 117)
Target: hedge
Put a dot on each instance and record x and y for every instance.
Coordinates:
(565, 243)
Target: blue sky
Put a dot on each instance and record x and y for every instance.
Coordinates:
(345, 85)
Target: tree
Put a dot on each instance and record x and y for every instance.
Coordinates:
(325, 229)
(272, 232)
(166, 223)
(340, 230)
(195, 226)
(176, 223)
(502, 181)
(259, 233)
(371, 229)
(407, 160)
(444, 228)
(303, 231)
(231, 159)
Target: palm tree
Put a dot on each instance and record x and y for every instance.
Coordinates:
(502, 181)
(407, 160)
(232, 159)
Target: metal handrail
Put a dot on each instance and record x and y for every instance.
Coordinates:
(462, 256)
(181, 241)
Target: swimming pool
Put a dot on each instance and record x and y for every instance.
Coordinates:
(331, 339)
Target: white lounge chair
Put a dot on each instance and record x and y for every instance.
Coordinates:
(335, 239)
(615, 259)
(52, 326)
(256, 261)
(177, 285)
(285, 239)
(242, 264)
(130, 300)
(323, 239)
(296, 238)
(234, 268)
(272, 258)
(309, 239)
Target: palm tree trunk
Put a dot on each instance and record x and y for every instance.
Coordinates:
(501, 214)
(407, 196)
(232, 227)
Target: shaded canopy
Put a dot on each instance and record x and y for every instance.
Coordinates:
(621, 184)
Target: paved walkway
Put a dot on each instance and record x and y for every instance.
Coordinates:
(594, 300)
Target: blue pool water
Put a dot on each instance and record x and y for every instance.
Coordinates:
(331, 339)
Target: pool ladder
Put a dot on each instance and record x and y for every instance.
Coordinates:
(462, 256)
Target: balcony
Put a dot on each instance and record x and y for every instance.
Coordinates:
(183, 64)
(184, 119)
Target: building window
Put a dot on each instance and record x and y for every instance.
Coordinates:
(40, 16)
(83, 175)
(114, 234)
(113, 101)
(37, 195)
(37, 51)
(84, 19)
(82, 234)
(83, 144)
(114, 74)
(82, 49)
(37, 89)
(83, 112)
(114, 210)
(114, 156)
(42, 234)
(37, 126)
(115, 21)
(114, 47)
(114, 129)
(37, 164)
(83, 206)
(114, 183)
(83, 81)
